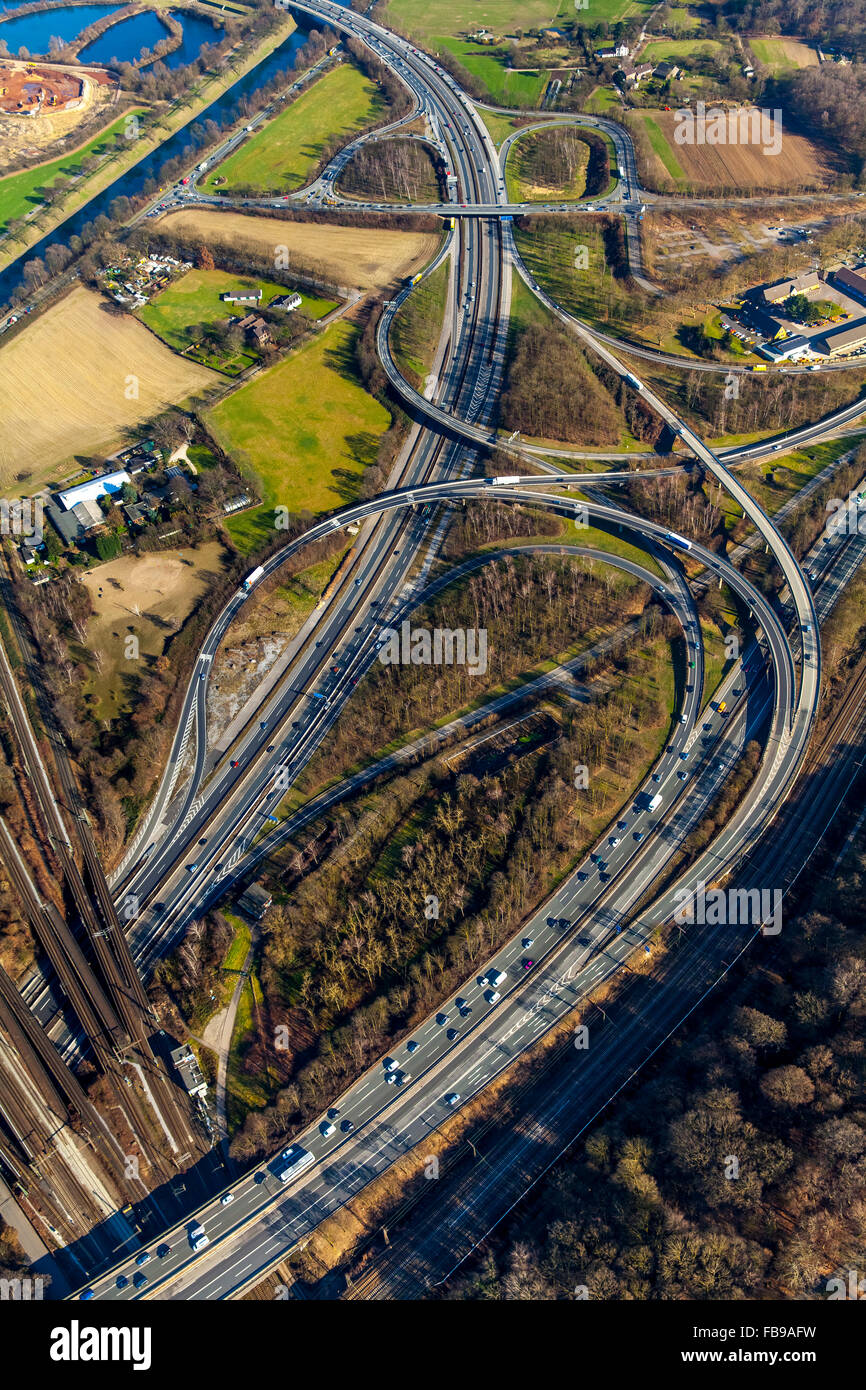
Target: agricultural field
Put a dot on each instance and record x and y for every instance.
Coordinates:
(22, 192)
(799, 163)
(286, 153)
(304, 430)
(363, 257)
(150, 596)
(784, 55)
(101, 373)
(194, 300)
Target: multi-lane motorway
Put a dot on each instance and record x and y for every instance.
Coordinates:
(579, 937)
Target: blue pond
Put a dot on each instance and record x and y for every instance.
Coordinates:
(35, 31)
(126, 41)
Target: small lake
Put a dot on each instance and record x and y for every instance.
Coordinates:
(127, 40)
(35, 31)
(196, 33)
(124, 41)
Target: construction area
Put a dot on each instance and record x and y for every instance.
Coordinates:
(26, 90)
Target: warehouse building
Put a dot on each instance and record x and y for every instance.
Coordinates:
(788, 349)
(851, 281)
(97, 487)
(842, 340)
(783, 289)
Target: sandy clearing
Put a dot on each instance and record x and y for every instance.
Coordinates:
(68, 386)
(362, 257)
(148, 595)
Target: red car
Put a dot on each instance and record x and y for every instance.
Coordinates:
(235, 762)
(527, 963)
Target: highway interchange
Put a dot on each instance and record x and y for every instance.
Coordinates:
(194, 847)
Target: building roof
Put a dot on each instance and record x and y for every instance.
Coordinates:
(783, 289)
(851, 280)
(190, 1072)
(838, 339)
(764, 323)
(97, 487)
(88, 514)
(255, 900)
(795, 346)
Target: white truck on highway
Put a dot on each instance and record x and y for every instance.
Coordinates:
(648, 802)
(253, 578)
(503, 481)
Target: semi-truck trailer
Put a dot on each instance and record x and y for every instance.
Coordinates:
(254, 578)
(679, 541)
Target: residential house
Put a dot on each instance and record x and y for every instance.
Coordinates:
(286, 302)
(621, 50)
(256, 329)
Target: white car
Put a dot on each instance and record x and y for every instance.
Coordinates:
(326, 1129)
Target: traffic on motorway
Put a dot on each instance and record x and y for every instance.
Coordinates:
(215, 814)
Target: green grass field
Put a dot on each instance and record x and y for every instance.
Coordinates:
(195, 299)
(20, 193)
(663, 149)
(774, 483)
(603, 100)
(500, 127)
(594, 293)
(781, 55)
(489, 66)
(682, 20)
(678, 50)
(305, 429)
(502, 16)
(418, 324)
(284, 155)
